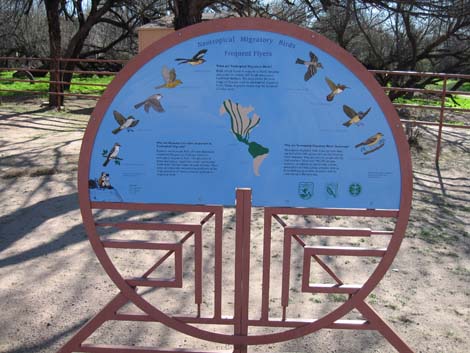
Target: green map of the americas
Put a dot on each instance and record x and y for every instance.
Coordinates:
(242, 125)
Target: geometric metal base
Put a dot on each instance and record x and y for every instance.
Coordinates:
(110, 313)
(241, 321)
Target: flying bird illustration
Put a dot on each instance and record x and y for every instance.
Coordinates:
(124, 123)
(354, 117)
(335, 89)
(169, 76)
(197, 59)
(154, 102)
(371, 141)
(112, 154)
(312, 66)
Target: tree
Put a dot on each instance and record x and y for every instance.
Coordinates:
(7, 27)
(393, 35)
(53, 21)
(189, 12)
(399, 35)
(125, 15)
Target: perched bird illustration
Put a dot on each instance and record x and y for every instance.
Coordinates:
(354, 117)
(112, 154)
(169, 76)
(124, 123)
(197, 59)
(103, 181)
(312, 66)
(371, 141)
(151, 102)
(335, 89)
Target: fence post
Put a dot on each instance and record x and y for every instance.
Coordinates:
(441, 118)
(58, 78)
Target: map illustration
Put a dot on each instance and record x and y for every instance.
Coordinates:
(242, 124)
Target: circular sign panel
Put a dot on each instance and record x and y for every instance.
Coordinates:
(280, 110)
(246, 103)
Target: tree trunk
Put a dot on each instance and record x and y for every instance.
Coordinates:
(53, 21)
(75, 47)
(187, 12)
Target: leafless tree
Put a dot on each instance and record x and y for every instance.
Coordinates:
(395, 35)
(399, 35)
(85, 15)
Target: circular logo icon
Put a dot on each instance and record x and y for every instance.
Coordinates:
(305, 190)
(355, 189)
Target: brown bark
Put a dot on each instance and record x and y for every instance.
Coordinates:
(188, 12)
(53, 21)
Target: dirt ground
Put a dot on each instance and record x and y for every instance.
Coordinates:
(51, 282)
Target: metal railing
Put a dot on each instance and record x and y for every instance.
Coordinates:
(36, 70)
(33, 72)
(440, 95)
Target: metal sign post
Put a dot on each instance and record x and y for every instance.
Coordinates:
(283, 116)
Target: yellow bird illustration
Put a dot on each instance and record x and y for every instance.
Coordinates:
(169, 76)
(336, 88)
(354, 117)
(371, 141)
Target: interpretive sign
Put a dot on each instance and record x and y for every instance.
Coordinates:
(289, 119)
(245, 112)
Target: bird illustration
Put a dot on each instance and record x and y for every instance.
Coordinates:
(154, 101)
(124, 123)
(312, 66)
(335, 89)
(371, 141)
(169, 76)
(354, 117)
(197, 59)
(112, 154)
(103, 181)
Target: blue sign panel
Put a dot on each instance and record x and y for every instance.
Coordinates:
(251, 109)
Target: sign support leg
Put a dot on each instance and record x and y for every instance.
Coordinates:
(380, 325)
(242, 264)
(108, 312)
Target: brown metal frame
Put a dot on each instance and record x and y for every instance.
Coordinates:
(442, 94)
(240, 320)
